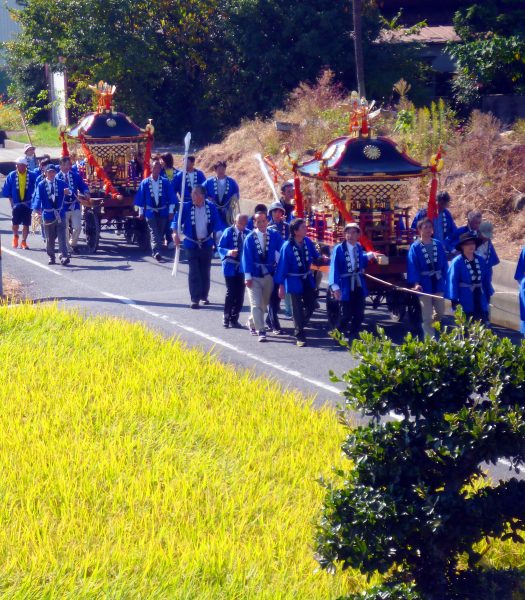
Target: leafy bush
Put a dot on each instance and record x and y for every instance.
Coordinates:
(10, 118)
(409, 508)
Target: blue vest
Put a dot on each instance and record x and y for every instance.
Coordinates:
(342, 276)
(231, 265)
(294, 276)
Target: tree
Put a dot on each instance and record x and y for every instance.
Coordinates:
(358, 47)
(416, 500)
(491, 57)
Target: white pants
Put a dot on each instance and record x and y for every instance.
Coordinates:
(429, 306)
(73, 221)
(259, 295)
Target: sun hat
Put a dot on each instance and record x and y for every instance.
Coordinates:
(29, 147)
(21, 160)
(351, 226)
(276, 206)
(467, 237)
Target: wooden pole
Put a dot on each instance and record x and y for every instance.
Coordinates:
(25, 125)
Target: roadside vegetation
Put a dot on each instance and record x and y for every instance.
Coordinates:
(134, 467)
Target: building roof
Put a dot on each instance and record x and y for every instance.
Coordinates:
(437, 34)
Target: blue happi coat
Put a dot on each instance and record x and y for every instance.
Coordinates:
(419, 271)
(253, 263)
(339, 273)
(10, 189)
(196, 176)
(289, 273)
(212, 193)
(43, 202)
(458, 274)
(231, 239)
(520, 277)
(188, 230)
(444, 221)
(282, 228)
(76, 184)
(491, 259)
(145, 199)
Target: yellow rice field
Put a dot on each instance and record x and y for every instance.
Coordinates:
(133, 467)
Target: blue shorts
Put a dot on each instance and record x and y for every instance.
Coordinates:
(21, 215)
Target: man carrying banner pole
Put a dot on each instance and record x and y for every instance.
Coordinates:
(187, 141)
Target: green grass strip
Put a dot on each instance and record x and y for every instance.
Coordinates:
(134, 467)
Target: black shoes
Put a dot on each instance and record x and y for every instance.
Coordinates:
(157, 256)
(226, 323)
(194, 305)
(51, 261)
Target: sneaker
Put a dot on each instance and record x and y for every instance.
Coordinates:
(277, 331)
(15, 241)
(64, 260)
(24, 245)
(194, 305)
(251, 329)
(51, 261)
(262, 336)
(226, 323)
(205, 301)
(157, 256)
(300, 343)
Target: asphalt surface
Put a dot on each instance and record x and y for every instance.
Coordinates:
(120, 281)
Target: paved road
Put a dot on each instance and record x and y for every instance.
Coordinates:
(120, 281)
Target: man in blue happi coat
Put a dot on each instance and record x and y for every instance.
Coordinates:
(19, 187)
(294, 276)
(468, 281)
(49, 202)
(519, 276)
(194, 177)
(445, 229)
(73, 217)
(224, 192)
(277, 222)
(260, 255)
(230, 249)
(427, 269)
(199, 221)
(156, 202)
(346, 280)
(478, 228)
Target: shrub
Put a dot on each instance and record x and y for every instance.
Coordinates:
(409, 508)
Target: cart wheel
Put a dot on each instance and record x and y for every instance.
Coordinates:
(332, 309)
(91, 230)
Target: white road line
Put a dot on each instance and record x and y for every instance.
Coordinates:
(30, 260)
(219, 342)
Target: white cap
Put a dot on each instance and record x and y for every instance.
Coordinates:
(21, 160)
(28, 147)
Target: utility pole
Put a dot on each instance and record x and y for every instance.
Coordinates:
(357, 6)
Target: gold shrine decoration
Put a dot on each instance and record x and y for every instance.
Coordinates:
(105, 93)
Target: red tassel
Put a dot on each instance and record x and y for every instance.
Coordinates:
(65, 149)
(298, 197)
(432, 210)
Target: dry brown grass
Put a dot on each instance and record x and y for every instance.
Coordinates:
(12, 288)
(484, 166)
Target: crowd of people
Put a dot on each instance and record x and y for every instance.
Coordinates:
(267, 253)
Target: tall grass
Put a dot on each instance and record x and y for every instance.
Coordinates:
(43, 134)
(133, 467)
